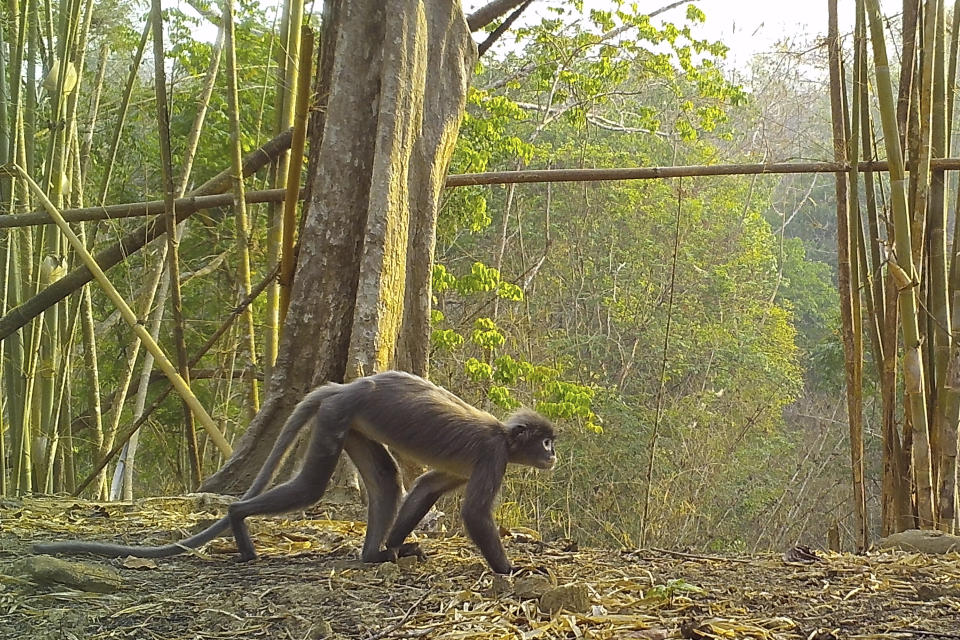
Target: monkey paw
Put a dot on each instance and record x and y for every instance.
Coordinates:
(517, 570)
(411, 549)
(246, 557)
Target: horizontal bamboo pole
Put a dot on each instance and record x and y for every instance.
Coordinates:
(192, 204)
(647, 173)
(183, 389)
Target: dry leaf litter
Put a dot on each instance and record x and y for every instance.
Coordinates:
(308, 584)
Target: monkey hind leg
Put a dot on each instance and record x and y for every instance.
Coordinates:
(381, 477)
(301, 491)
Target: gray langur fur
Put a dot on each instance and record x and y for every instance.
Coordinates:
(462, 445)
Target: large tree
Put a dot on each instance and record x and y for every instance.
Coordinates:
(393, 78)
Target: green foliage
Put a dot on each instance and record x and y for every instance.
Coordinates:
(591, 333)
(511, 371)
(486, 335)
(502, 397)
(478, 371)
(480, 278)
(501, 374)
(564, 400)
(442, 280)
(446, 339)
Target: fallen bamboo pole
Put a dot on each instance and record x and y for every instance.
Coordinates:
(188, 204)
(179, 384)
(690, 171)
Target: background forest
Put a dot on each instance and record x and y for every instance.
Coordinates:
(684, 333)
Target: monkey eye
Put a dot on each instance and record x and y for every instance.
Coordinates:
(547, 444)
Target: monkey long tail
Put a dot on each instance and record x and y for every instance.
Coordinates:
(116, 550)
(301, 415)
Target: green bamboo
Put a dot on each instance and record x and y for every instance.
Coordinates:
(846, 149)
(894, 495)
(203, 101)
(30, 88)
(5, 124)
(294, 171)
(903, 266)
(129, 317)
(122, 113)
(239, 202)
(937, 301)
(94, 109)
(173, 257)
(4, 245)
(949, 499)
(284, 102)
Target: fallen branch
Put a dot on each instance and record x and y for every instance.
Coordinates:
(134, 241)
(190, 204)
(161, 396)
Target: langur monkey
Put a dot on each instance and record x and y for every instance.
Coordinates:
(462, 445)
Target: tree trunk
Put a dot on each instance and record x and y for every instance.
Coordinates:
(397, 88)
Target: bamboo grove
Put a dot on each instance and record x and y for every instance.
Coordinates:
(897, 278)
(47, 135)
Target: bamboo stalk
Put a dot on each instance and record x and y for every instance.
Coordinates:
(295, 169)
(937, 301)
(239, 205)
(122, 112)
(11, 351)
(94, 109)
(5, 127)
(950, 384)
(921, 182)
(913, 357)
(847, 276)
(129, 317)
(29, 119)
(290, 85)
(173, 253)
(203, 101)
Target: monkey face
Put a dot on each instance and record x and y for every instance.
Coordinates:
(538, 451)
(531, 440)
(548, 455)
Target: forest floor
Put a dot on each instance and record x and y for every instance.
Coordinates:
(307, 584)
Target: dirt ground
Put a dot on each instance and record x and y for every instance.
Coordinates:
(308, 584)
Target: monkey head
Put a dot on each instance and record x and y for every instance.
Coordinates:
(530, 438)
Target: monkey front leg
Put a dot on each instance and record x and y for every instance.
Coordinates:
(381, 477)
(477, 512)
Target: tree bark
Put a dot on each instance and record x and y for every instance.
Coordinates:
(397, 90)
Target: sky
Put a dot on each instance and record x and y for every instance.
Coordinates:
(748, 27)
